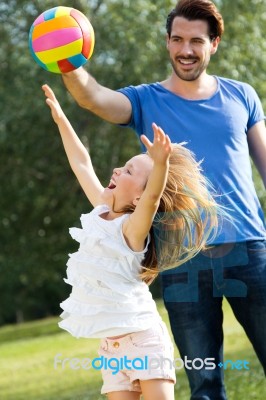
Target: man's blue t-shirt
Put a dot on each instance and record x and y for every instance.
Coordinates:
(215, 129)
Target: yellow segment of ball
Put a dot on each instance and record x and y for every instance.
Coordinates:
(60, 11)
(60, 53)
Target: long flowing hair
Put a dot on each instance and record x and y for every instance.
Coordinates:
(187, 217)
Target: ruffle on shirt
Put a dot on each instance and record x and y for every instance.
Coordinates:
(92, 309)
(107, 295)
(89, 271)
(105, 325)
(77, 308)
(114, 242)
(89, 244)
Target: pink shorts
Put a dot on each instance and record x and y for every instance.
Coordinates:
(135, 357)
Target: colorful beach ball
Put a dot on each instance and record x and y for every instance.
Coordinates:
(61, 39)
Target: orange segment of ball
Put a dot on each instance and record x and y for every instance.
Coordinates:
(88, 33)
(51, 25)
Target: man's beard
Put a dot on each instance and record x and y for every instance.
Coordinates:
(191, 75)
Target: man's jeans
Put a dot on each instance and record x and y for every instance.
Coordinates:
(193, 296)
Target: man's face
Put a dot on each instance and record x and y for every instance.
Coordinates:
(190, 48)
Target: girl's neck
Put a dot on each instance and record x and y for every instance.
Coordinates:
(110, 215)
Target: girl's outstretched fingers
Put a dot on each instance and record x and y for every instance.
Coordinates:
(159, 134)
(158, 137)
(161, 147)
(52, 102)
(147, 143)
(168, 142)
(48, 92)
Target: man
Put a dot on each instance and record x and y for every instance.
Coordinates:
(222, 121)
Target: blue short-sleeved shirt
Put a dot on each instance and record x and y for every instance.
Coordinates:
(215, 129)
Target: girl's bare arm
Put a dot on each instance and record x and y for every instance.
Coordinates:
(78, 157)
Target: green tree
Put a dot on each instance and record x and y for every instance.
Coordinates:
(40, 197)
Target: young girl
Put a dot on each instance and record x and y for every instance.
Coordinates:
(155, 213)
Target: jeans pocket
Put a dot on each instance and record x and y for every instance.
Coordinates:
(256, 246)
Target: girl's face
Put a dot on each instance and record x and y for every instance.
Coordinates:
(128, 183)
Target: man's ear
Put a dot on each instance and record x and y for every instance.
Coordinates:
(215, 44)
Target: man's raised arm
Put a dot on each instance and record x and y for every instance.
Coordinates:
(108, 104)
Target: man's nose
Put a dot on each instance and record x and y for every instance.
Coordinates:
(186, 49)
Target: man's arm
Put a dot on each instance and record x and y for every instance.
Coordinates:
(257, 147)
(106, 103)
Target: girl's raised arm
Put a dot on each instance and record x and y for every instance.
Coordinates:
(137, 226)
(78, 157)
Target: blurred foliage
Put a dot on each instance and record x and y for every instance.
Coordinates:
(40, 197)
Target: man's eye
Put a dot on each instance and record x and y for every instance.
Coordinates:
(197, 41)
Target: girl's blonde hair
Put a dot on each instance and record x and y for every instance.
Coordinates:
(186, 219)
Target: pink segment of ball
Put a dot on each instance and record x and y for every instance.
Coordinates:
(39, 20)
(56, 39)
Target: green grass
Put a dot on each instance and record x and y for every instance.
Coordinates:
(27, 353)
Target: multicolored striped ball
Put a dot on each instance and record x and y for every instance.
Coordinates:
(61, 39)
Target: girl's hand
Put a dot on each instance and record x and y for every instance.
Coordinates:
(51, 100)
(161, 148)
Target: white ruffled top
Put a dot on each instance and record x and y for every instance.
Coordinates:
(108, 298)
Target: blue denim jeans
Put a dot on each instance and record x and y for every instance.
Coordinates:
(193, 295)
